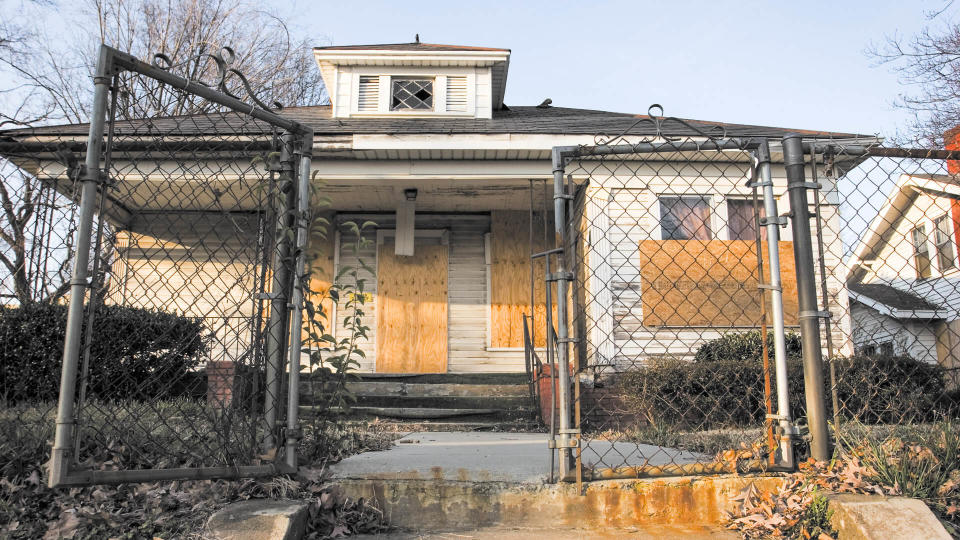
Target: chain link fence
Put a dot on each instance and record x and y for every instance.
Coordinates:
(898, 218)
(705, 314)
(165, 273)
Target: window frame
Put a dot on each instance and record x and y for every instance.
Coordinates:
(921, 247)
(395, 79)
(748, 201)
(948, 243)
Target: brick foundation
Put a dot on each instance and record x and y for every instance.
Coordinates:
(221, 383)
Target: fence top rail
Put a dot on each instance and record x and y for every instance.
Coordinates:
(856, 150)
(122, 60)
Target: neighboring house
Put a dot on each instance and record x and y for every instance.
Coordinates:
(421, 131)
(904, 277)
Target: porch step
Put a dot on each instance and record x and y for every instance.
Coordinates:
(485, 399)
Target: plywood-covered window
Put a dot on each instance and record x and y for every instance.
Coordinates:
(510, 251)
(685, 218)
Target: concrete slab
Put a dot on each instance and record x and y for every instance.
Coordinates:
(258, 519)
(491, 457)
(872, 517)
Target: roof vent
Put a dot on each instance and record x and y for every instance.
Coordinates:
(368, 99)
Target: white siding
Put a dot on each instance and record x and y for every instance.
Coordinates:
(629, 197)
(912, 338)
(198, 265)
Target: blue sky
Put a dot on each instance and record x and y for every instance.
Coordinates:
(796, 64)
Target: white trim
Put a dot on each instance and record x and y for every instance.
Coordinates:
(601, 277)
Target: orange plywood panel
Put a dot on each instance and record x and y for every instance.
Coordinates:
(510, 278)
(709, 282)
(319, 259)
(412, 310)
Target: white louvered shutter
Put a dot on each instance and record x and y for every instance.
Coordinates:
(456, 94)
(368, 96)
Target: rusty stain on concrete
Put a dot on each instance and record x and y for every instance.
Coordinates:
(438, 504)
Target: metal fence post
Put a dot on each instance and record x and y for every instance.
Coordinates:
(772, 223)
(63, 438)
(809, 316)
(275, 346)
(300, 281)
(563, 278)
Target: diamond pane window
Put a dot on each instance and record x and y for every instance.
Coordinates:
(412, 94)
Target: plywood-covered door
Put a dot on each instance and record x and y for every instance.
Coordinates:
(412, 310)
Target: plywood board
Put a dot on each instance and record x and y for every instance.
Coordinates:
(510, 278)
(709, 283)
(412, 310)
(319, 258)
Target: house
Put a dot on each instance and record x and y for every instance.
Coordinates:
(903, 275)
(418, 139)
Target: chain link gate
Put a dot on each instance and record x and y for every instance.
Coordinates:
(688, 318)
(183, 326)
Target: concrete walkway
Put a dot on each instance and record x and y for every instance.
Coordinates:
(490, 457)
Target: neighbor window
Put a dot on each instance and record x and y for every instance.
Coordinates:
(411, 94)
(685, 218)
(882, 349)
(945, 254)
(741, 221)
(921, 254)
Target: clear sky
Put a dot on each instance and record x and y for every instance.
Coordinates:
(790, 64)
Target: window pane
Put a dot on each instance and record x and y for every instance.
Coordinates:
(945, 253)
(921, 253)
(685, 218)
(411, 94)
(741, 221)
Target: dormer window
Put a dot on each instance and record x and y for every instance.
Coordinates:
(411, 94)
(414, 80)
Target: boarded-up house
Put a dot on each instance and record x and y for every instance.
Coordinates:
(418, 139)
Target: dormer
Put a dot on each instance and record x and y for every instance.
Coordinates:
(421, 80)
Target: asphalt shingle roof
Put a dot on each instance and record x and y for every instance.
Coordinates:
(519, 120)
(892, 297)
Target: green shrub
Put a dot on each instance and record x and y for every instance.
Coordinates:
(744, 346)
(724, 387)
(135, 353)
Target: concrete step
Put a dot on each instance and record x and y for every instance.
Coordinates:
(438, 402)
(405, 389)
(492, 418)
